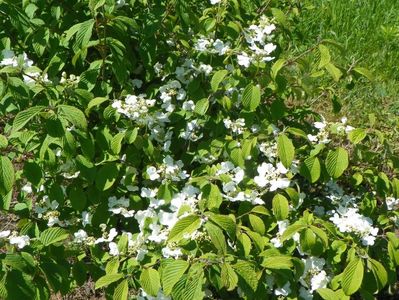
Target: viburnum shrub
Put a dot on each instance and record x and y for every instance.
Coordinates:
(158, 149)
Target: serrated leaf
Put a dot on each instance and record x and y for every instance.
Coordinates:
(226, 223)
(247, 273)
(150, 281)
(327, 294)
(121, 292)
(336, 162)
(107, 280)
(310, 169)
(285, 150)
(279, 262)
(7, 175)
(280, 207)
(217, 78)
(217, 237)
(251, 97)
(3, 142)
(357, 135)
(106, 176)
(53, 235)
(193, 285)
(228, 276)
(73, 115)
(335, 73)
(291, 230)
(321, 234)
(116, 143)
(95, 102)
(172, 273)
(201, 106)
(257, 224)
(379, 272)
(325, 56)
(186, 225)
(277, 67)
(84, 33)
(352, 276)
(23, 117)
(365, 72)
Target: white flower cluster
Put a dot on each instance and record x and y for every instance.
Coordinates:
(282, 226)
(219, 47)
(322, 135)
(135, 108)
(47, 210)
(313, 277)
(349, 220)
(236, 126)
(120, 206)
(20, 241)
(169, 170)
(258, 38)
(392, 203)
(271, 176)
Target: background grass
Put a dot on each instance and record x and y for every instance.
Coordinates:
(369, 33)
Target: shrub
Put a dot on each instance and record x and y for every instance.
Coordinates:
(156, 147)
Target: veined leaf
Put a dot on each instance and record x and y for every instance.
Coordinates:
(217, 237)
(285, 150)
(228, 276)
(186, 225)
(277, 262)
(335, 73)
(7, 175)
(310, 169)
(73, 115)
(277, 67)
(217, 78)
(325, 56)
(53, 235)
(353, 276)
(379, 272)
(357, 135)
(336, 162)
(280, 207)
(150, 281)
(201, 106)
(251, 97)
(172, 273)
(121, 292)
(23, 117)
(107, 280)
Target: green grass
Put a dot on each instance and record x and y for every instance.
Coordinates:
(369, 32)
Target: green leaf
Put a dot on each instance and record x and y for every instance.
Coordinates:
(150, 281)
(325, 56)
(251, 97)
(7, 175)
(352, 276)
(84, 33)
(277, 67)
(53, 235)
(95, 102)
(291, 230)
(217, 237)
(121, 292)
(379, 272)
(201, 106)
(213, 196)
(73, 115)
(335, 73)
(226, 223)
(78, 198)
(3, 142)
(106, 176)
(172, 273)
(321, 234)
(247, 273)
(186, 225)
(285, 150)
(116, 143)
(365, 72)
(278, 262)
(395, 187)
(357, 135)
(107, 280)
(257, 224)
(336, 162)
(310, 169)
(217, 78)
(23, 117)
(228, 276)
(280, 207)
(193, 286)
(327, 294)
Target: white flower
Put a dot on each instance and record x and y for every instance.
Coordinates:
(4, 234)
(391, 203)
(319, 280)
(167, 252)
(80, 236)
(86, 218)
(213, 2)
(152, 173)
(220, 47)
(113, 249)
(202, 44)
(284, 290)
(20, 241)
(137, 83)
(243, 59)
(27, 188)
